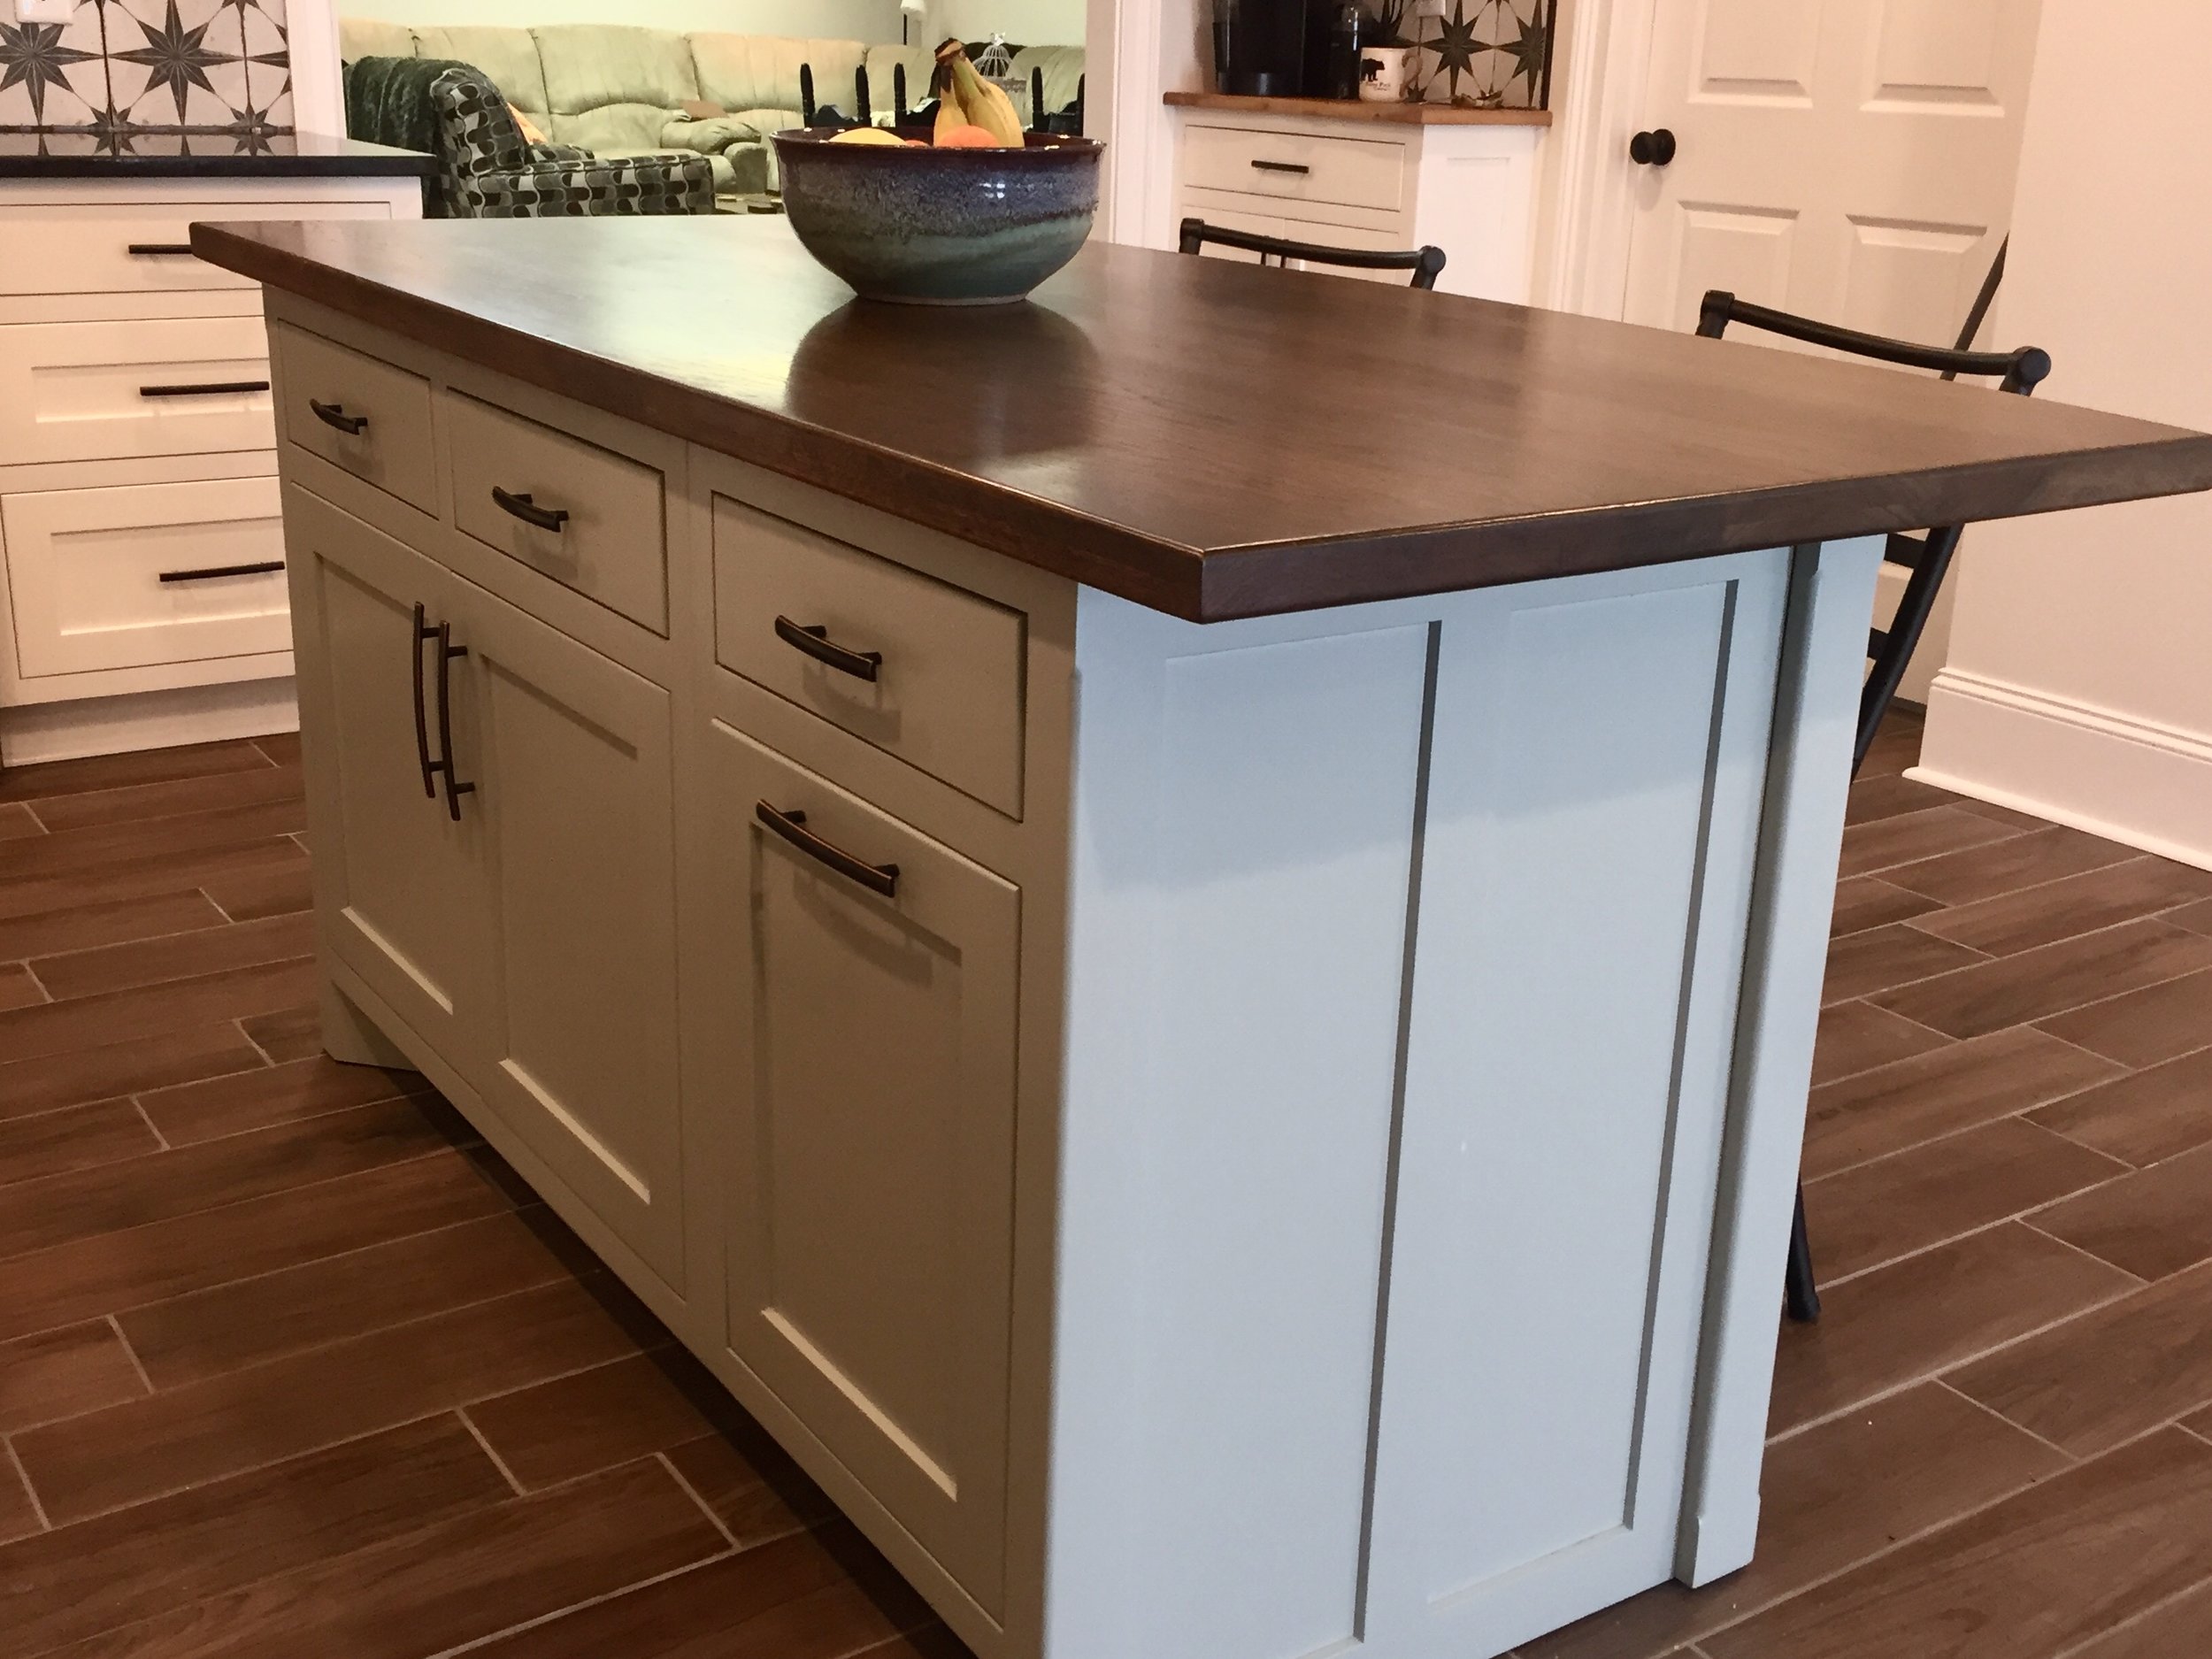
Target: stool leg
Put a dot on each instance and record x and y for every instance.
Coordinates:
(1800, 1293)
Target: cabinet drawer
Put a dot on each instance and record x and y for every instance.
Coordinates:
(367, 417)
(1352, 172)
(108, 391)
(131, 247)
(947, 695)
(86, 568)
(613, 543)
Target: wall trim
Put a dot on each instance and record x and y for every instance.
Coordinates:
(1587, 221)
(2143, 783)
(318, 102)
(39, 732)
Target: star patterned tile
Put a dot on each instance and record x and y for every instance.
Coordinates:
(268, 65)
(1491, 54)
(177, 63)
(53, 74)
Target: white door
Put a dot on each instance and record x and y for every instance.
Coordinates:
(1853, 160)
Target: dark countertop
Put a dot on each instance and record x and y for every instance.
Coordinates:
(67, 155)
(1215, 439)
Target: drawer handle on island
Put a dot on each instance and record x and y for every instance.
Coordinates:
(263, 569)
(454, 787)
(523, 508)
(1282, 166)
(334, 415)
(210, 388)
(817, 643)
(424, 632)
(882, 878)
(160, 249)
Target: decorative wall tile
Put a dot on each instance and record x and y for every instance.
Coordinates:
(53, 74)
(268, 64)
(176, 63)
(1490, 54)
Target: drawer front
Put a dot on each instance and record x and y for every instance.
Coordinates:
(612, 544)
(133, 247)
(947, 695)
(110, 391)
(86, 570)
(1351, 171)
(367, 417)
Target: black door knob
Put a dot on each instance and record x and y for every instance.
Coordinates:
(1652, 149)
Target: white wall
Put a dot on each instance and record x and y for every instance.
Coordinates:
(819, 19)
(2080, 685)
(1024, 22)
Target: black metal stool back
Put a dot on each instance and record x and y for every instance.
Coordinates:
(1927, 556)
(1426, 264)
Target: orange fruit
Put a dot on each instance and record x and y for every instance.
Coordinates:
(969, 138)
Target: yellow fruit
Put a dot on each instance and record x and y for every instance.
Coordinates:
(984, 105)
(867, 135)
(968, 138)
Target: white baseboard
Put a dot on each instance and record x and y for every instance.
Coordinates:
(150, 719)
(2138, 782)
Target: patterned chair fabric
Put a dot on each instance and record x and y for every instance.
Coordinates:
(490, 170)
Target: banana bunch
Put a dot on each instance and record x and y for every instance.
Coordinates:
(966, 99)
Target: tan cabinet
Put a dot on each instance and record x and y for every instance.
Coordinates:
(866, 974)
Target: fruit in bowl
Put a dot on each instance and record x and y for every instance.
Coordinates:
(980, 214)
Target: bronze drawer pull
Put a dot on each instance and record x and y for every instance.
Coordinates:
(211, 389)
(523, 508)
(334, 415)
(454, 787)
(160, 249)
(1282, 166)
(817, 643)
(424, 632)
(213, 571)
(882, 878)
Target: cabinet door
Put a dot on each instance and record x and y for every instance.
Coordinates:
(871, 1044)
(398, 883)
(569, 753)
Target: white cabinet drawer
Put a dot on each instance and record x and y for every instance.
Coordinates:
(1294, 166)
(145, 574)
(107, 390)
(588, 518)
(125, 247)
(361, 414)
(800, 614)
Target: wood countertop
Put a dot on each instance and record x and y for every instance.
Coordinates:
(1420, 114)
(1211, 439)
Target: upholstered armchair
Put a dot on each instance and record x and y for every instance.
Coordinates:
(490, 170)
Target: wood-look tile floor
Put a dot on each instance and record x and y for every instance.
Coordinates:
(290, 1364)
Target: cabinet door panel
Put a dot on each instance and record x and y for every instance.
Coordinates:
(870, 1225)
(570, 754)
(397, 883)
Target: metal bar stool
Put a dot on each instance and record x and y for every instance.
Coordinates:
(1426, 264)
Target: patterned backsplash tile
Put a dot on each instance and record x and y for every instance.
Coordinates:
(122, 67)
(1493, 54)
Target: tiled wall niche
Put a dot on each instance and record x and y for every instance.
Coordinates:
(124, 67)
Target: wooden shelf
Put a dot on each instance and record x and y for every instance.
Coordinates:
(1353, 110)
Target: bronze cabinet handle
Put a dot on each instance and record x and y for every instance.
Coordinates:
(424, 631)
(210, 388)
(454, 787)
(1282, 166)
(334, 415)
(817, 643)
(523, 508)
(882, 878)
(213, 571)
(160, 250)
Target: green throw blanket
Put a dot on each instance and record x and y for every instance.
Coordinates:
(387, 101)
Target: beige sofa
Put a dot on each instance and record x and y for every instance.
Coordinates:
(618, 90)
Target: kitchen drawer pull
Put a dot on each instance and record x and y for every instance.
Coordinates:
(334, 415)
(424, 632)
(523, 508)
(816, 642)
(212, 388)
(454, 787)
(213, 571)
(1282, 166)
(882, 878)
(160, 249)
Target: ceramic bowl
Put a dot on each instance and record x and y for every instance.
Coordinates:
(929, 227)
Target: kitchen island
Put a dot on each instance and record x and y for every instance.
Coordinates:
(1194, 975)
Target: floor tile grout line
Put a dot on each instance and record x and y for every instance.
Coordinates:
(155, 985)
(147, 1117)
(1956, 1393)
(476, 1643)
(208, 930)
(1867, 997)
(137, 1365)
(2126, 1069)
(1952, 907)
(2019, 1216)
(2026, 1114)
(498, 1463)
(293, 1123)
(109, 1100)
(2024, 1220)
(38, 1506)
(705, 1509)
(266, 1059)
(2048, 1013)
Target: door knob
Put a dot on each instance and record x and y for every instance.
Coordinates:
(1652, 149)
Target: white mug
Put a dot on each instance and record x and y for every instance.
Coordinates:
(1382, 73)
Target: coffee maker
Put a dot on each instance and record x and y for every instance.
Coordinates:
(1262, 48)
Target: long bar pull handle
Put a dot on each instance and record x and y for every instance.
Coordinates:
(523, 508)
(817, 643)
(423, 631)
(447, 652)
(1282, 166)
(213, 571)
(882, 878)
(334, 415)
(210, 388)
(160, 250)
